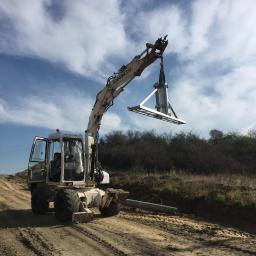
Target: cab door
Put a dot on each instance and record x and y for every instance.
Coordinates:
(38, 160)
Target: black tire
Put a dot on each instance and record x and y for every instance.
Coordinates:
(112, 210)
(40, 200)
(66, 202)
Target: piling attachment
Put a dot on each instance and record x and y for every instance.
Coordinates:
(150, 206)
(163, 109)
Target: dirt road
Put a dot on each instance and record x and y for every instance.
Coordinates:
(129, 233)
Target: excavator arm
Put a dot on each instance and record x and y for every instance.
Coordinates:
(115, 85)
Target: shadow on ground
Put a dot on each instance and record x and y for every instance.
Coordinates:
(23, 218)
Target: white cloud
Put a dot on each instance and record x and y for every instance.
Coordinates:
(216, 45)
(230, 37)
(214, 41)
(204, 15)
(157, 22)
(86, 34)
(66, 110)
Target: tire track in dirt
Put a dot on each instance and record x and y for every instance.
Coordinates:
(36, 242)
(27, 237)
(128, 237)
(201, 235)
(33, 238)
(83, 232)
(99, 239)
(10, 245)
(97, 245)
(134, 238)
(11, 202)
(129, 233)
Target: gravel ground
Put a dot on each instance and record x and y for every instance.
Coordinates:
(129, 233)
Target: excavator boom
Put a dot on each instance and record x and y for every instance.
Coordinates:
(115, 85)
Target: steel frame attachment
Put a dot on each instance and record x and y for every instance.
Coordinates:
(164, 110)
(141, 109)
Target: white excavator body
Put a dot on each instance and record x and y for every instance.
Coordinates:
(64, 168)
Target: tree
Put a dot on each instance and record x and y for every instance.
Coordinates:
(216, 135)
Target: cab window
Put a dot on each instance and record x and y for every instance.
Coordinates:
(38, 154)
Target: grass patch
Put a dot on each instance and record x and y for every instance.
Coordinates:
(224, 196)
(224, 189)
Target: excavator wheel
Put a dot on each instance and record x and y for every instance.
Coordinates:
(111, 210)
(39, 201)
(66, 203)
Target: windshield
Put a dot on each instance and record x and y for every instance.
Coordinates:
(73, 160)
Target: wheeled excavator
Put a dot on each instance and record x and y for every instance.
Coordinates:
(64, 168)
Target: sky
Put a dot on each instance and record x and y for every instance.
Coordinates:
(56, 55)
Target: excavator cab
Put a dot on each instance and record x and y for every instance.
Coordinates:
(58, 158)
(73, 160)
